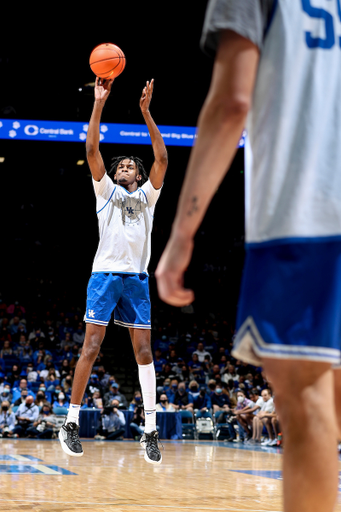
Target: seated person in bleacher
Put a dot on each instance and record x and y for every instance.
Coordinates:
(114, 393)
(137, 400)
(18, 390)
(220, 400)
(25, 415)
(112, 422)
(95, 400)
(181, 401)
(13, 376)
(201, 403)
(7, 419)
(164, 405)
(6, 393)
(61, 401)
(41, 399)
(6, 349)
(195, 367)
(159, 362)
(137, 423)
(43, 427)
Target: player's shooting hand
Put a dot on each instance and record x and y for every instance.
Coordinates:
(170, 271)
(146, 96)
(102, 89)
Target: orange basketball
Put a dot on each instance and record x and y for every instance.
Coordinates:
(107, 61)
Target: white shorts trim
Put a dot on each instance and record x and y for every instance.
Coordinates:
(135, 326)
(250, 347)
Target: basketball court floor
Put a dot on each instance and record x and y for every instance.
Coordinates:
(113, 476)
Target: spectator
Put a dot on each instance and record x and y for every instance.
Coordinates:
(103, 376)
(6, 394)
(114, 393)
(230, 374)
(261, 418)
(195, 367)
(65, 369)
(220, 400)
(159, 362)
(201, 352)
(164, 405)
(7, 419)
(67, 384)
(6, 350)
(43, 427)
(16, 327)
(36, 335)
(79, 334)
(137, 400)
(41, 398)
(243, 416)
(13, 377)
(21, 399)
(137, 423)
(61, 401)
(19, 346)
(32, 375)
(181, 400)
(45, 373)
(26, 414)
(113, 422)
(201, 403)
(18, 390)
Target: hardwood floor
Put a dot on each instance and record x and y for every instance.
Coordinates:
(113, 476)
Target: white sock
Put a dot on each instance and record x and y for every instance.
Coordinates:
(148, 388)
(73, 414)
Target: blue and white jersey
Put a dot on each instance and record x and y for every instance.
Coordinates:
(293, 149)
(290, 297)
(125, 224)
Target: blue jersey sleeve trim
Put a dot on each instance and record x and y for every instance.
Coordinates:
(106, 202)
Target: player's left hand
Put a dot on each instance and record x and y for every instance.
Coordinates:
(170, 271)
(146, 96)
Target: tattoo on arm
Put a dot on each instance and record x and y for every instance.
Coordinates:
(193, 206)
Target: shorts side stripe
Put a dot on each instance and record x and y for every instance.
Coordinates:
(96, 322)
(135, 326)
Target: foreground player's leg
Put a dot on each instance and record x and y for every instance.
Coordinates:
(144, 358)
(68, 434)
(304, 394)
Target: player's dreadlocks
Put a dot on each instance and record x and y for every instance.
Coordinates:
(139, 164)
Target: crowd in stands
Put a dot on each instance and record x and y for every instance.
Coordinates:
(195, 372)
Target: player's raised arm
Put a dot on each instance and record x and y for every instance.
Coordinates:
(159, 166)
(94, 157)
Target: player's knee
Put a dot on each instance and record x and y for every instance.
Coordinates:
(144, 355)
(91, 348)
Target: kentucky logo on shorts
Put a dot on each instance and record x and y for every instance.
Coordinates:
(91, 313)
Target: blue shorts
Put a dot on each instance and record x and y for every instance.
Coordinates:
(290, 301)
(125, 294)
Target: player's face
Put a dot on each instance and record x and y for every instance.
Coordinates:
(126, 173)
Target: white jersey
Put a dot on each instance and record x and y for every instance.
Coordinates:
(293, 178)
(125, 223)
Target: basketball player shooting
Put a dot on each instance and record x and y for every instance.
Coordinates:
(119, 279)
(277, 71)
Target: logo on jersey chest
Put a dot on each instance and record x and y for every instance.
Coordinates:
(131, 209)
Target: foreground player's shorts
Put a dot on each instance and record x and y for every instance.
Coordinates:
(125, 294)
(290, 301)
